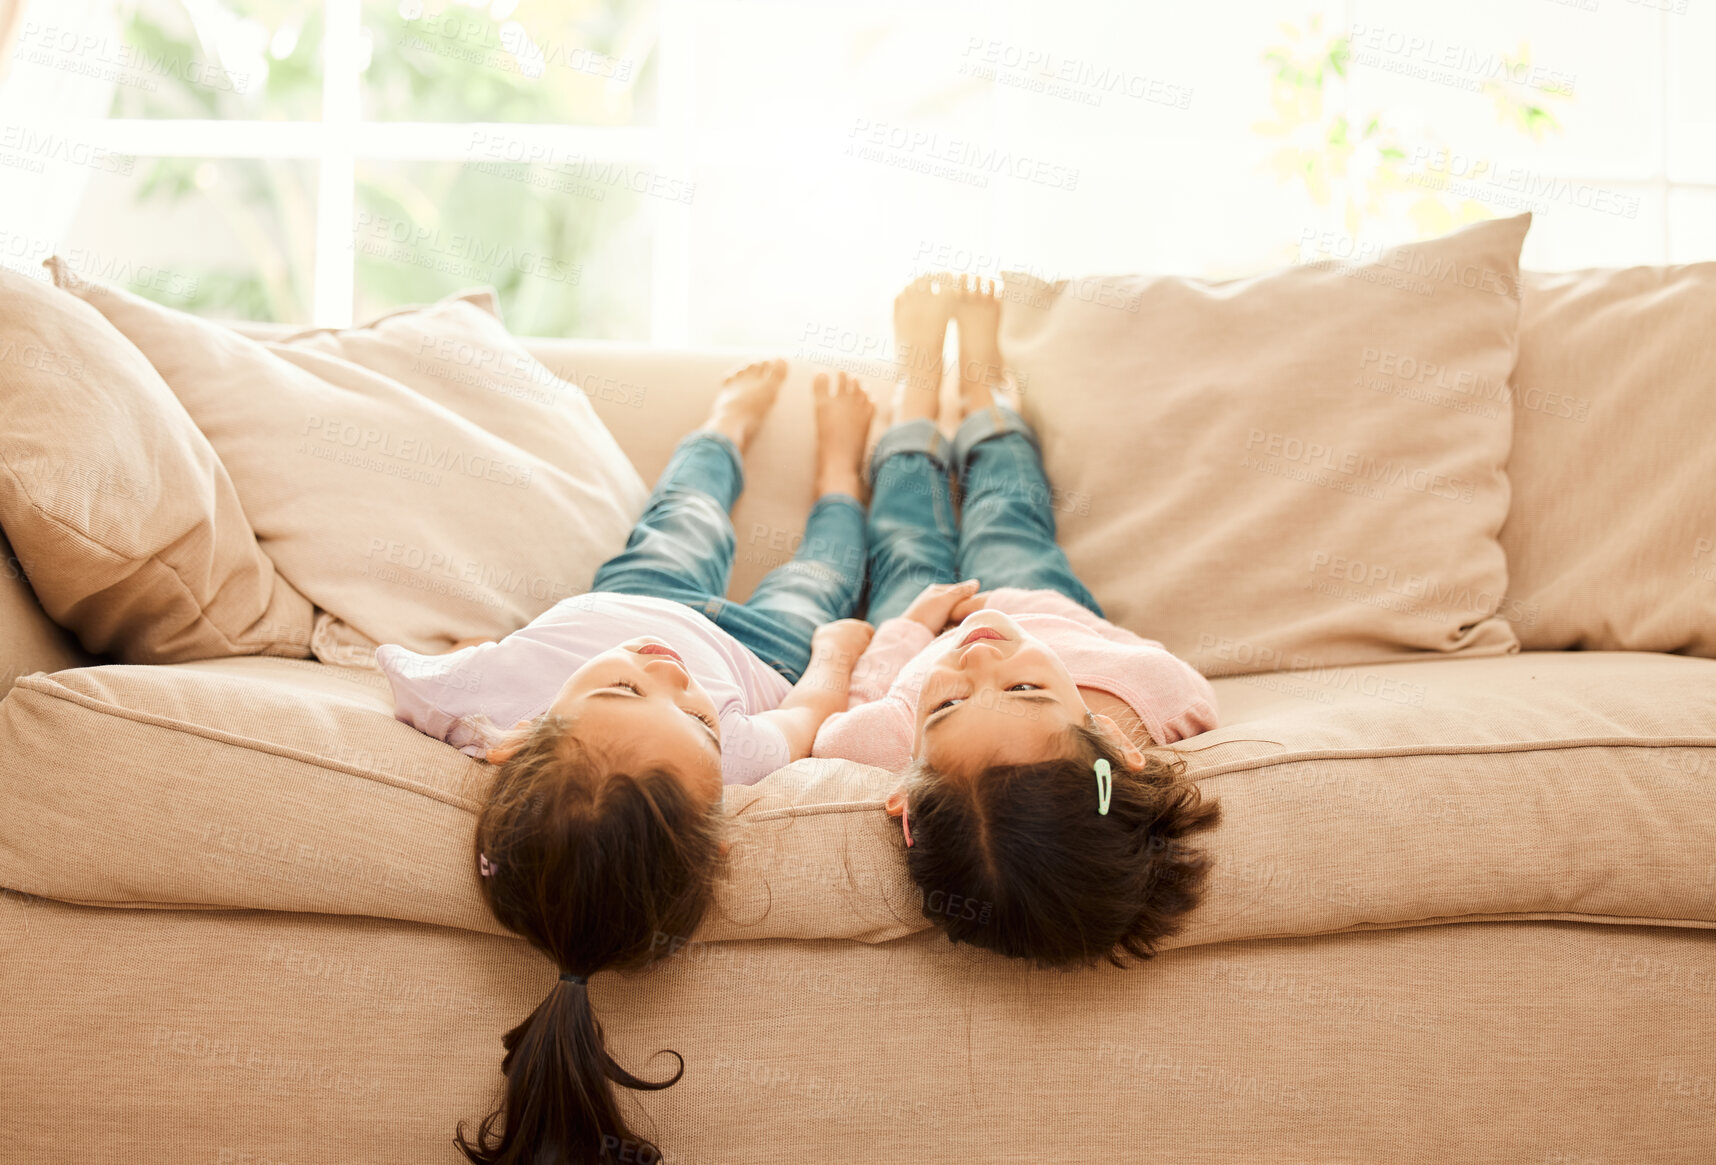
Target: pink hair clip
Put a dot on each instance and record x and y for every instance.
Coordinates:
(905, 825)
(485, 867)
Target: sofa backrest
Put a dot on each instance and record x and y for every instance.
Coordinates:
(1611, 385)
(1611, 531)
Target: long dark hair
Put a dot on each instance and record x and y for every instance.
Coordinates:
(596, 868)
(1017, 860)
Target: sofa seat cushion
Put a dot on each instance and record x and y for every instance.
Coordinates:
(1544, 785)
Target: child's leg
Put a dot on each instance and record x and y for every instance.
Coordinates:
(825, 578)
(912, 533)
(682, 546)
(1007, 519)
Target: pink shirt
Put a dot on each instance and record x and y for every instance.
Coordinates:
(1171, 698)
(469, 697)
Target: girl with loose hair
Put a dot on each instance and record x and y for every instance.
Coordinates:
(1042, 814)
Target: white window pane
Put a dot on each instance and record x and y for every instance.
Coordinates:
(1691, 225)
(811, 252)
(1690, 30)
(1129, 78)
(783, 69)
(568, 249)
(1629, 232)
(221, 59)
(220, 237)
(509, 60)
(1595, 68)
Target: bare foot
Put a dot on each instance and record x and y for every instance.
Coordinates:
(842, 424)
(921, 312)
(745, 399)
(977, 313)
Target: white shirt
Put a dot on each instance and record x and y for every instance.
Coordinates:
(469, 697)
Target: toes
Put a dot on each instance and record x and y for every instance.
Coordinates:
(777, 370)
(819, 387)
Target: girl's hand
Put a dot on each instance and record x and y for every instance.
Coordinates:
(842, 642)
(935, 605)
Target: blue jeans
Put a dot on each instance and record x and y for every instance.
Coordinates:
(682, 549)
(1005, 536)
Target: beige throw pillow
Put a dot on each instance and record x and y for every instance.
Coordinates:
(416, 500)
(1611, 541)
(1298, 470)
(127, 524)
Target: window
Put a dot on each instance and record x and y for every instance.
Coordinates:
(769, 172)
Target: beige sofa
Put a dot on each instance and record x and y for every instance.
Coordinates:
(1462, 910)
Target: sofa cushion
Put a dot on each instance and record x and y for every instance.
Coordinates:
(116, 507)
(1611, 538)
(1255, 473)
(1552, 785)
(400, 507)
(29, 640)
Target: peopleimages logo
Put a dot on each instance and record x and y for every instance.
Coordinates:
(1358, 466)
(27, 148)
(1488, 179)
(1409, 260)
(1448, 62)
(365, 439)
(958, 159)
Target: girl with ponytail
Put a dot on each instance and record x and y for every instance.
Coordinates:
(593, 871)
(631, 708)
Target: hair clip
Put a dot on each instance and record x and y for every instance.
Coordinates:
(485, 867)
(905, 826)
(1104, 786)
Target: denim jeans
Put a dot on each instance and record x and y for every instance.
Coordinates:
(1005, 536)
(682, 549)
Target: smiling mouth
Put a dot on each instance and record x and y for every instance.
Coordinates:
(978, 633)
(661, 649)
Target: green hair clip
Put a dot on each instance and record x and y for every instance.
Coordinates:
(1104, 786)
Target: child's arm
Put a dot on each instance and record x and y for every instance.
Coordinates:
(896, 641)
(822, 690)
(900, 638)
(1021, 601)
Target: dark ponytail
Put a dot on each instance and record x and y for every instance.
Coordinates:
(599, 870)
